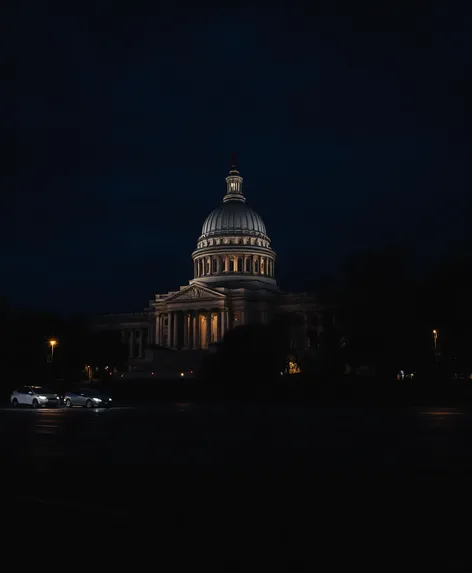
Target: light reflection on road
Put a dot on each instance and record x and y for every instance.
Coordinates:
(441, 412)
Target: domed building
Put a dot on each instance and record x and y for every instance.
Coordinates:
(234, 277)
(233, 284)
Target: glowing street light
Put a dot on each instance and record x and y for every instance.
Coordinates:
(52, 344)
(435, 338)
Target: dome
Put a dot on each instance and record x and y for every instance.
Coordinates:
(234, 250)
(233, 217)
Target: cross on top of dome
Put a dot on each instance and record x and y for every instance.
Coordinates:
(234, 169)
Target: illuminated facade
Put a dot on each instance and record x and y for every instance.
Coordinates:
(233, 284)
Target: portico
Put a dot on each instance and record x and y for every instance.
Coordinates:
(192, 318)
(191, 329)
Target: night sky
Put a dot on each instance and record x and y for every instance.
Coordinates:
(119, 124)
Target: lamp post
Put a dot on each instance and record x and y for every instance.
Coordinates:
(52, 344)
(435, 339)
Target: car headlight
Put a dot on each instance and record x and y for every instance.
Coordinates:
(96, 399)
(42, 397)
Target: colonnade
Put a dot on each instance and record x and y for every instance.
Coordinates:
(246, 264)
(136, 339)
(191, 329)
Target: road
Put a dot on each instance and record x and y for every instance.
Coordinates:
(279, 471)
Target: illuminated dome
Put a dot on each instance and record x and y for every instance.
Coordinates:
(234, 248)
(235, 218)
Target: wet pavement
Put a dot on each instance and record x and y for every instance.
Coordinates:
(297, 476)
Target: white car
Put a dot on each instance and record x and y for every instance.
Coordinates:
(34, 396)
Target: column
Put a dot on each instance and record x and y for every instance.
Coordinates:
(157, 337)
(223, 322)
(218, 327)
(208, 328)
(161, 329)
(175, 342)
(140, 344)
(218, 265)
(131, 343)
(185, 321)
(190, 328)
(169, 329)
(196, 340)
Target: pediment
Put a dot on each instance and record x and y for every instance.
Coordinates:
(194, 292)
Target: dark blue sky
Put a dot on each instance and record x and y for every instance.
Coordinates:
(348, 121)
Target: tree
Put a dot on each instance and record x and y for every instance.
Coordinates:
(250, 354)
(377, 309)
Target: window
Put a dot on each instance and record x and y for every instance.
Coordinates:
(231, 265)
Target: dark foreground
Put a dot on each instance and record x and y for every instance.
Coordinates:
(246, 483)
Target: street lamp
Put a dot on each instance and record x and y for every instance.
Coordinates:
(435, 338)
(52, 344)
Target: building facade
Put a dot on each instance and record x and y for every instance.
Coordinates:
(233, 284)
